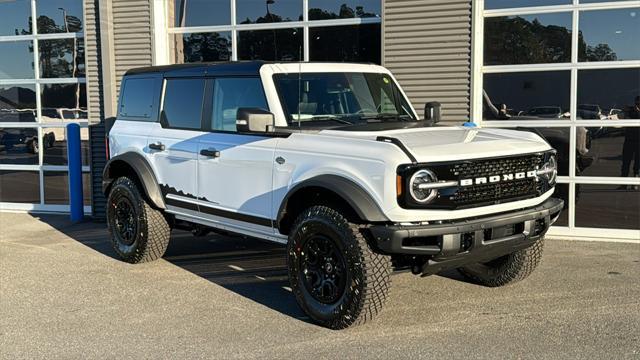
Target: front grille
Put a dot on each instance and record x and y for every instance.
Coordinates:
(495, 192)
(477, 168)
(489, 193)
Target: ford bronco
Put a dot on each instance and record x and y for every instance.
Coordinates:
(332, 161)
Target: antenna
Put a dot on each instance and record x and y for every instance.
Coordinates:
(299, 83)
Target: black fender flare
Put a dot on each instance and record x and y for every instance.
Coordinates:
(359, 200)
(144, 173)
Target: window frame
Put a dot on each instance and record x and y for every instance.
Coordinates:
(153, 113)
(209, 111)
(164, 30)
(400, 97)
(161, 118)
(41, 122)
(478, 69)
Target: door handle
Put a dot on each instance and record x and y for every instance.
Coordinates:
(213, 153)
(157, 146)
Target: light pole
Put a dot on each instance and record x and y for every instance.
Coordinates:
(73, 62)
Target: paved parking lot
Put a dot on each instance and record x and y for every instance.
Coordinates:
(63, 295)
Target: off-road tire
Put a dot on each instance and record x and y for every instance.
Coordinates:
(507, 269)
(368, 275)
(152, 230)
(32, 145)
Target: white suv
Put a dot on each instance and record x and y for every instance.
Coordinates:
(333, 161)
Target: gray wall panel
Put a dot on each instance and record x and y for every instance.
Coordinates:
(427, 45)
(132, 36)
(125, 42)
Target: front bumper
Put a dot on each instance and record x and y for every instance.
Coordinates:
(460, 242)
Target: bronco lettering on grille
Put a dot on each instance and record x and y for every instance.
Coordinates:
(497, 178)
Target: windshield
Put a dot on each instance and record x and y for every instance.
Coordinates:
(330, 99)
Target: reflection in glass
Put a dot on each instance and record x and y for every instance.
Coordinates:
(56, 188)
(355, 43)
(61, 58)
(268, 11)
(15, 17)
(504, 4)
(558, 138)
(19, 146)
(230, 94)
(608, 206)
(182, 104)
(271, 45)
(20, 64)
(527, 39)
(201, 47)
(59, 16)
(609, 35)
(199, 12)
(340, 9)
(608, 94)
(562, 192)
(62, 102)
(54, 144)
(615, 151)
(17, 103)
(19, 186)
(527, 96)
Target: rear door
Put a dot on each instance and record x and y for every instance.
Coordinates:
(235, 170)
(174, 144)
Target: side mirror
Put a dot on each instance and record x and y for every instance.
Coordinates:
(432, 113)
(254, 120)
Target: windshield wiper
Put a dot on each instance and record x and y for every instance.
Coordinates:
(386, 117)
(328, 117)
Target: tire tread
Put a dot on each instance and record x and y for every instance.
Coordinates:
(517, 266)
(376, 269)
(157, 233)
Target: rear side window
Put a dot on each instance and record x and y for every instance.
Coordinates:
(182, 106)
(229, 94)
(137, 99)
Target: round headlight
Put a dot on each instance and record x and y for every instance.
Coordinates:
(421, 194)
(551, 170)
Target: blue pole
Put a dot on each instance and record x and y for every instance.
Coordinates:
(74, 156)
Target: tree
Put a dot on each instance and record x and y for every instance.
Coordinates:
(601, 52)
(516, 40)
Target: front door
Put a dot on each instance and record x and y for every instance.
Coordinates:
(235, 170)
(174, 143)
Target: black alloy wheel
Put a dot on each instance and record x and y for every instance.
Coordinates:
(337, 279)
(125, 222)
(323, 269)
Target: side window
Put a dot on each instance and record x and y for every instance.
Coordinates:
(182, 105)
(229, 94)
(137, 99)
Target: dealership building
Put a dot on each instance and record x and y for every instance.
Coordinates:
(566, 69)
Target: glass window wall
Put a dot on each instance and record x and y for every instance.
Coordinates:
(275, 30)
(42, 88)
(580, 92)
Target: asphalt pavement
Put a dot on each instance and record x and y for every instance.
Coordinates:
(64, 295)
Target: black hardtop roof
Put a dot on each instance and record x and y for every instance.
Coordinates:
(196, 69)
(201, 69)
